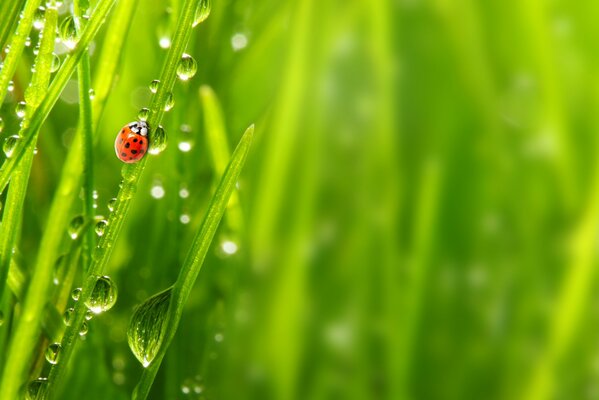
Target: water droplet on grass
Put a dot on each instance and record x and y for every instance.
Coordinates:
(1, 125)
(39, 18)
(21, 109)
(9, 145)
(142, 115)
(111, 204)
(76, 293)
(11, 86)
(36, 389)
(184, 219)
(66, 317)
(158, 141)
(187, 67)
(170, 102)
(55, 63)
(146, 329)
(154, 85)
(103, 296)
(53, 353)
(202, 12)
(84, 329)
(92, 94)
(75, 226)
(68, 32)
(101, 227)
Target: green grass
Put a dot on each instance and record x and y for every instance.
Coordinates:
(416, 216)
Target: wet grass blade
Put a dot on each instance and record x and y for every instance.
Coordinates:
(193, 263)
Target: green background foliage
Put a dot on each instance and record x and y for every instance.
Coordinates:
(417, 217)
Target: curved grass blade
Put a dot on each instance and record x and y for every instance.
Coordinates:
(193, 262)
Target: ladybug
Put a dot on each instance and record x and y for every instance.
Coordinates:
(131, 143)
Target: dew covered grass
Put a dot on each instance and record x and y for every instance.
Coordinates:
(361, 199)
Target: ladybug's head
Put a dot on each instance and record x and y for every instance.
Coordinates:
(139, 127)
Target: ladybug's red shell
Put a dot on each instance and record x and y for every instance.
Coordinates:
(131, 143)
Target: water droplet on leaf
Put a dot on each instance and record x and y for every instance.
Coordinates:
(187, 67)
(21, 109)
(75, 226)
(36, 389)
(67, 316)
(170, 102)
(53, 353)
(68, 32)
(101, 227)
(76, 293)
(9, 145)
(154, 85)
(202, 12)
(55, 63)
(111, 204)
(146, 329)
(103, 296)
(158, 141)
(143, 114)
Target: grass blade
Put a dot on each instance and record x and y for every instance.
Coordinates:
(58, 84)
(23, 343)
(131, 174)
(195, 257)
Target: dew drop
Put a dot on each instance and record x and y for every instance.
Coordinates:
(76, 293)
(158, 141)
(75, 226)
(21, 109)
(103, 296)
(143, 114)
(184, 219)
(154, 85)
(92, 94)
(202, 12)
(55, 63)
(84, 329)
(1, 124)
(53, 353)
(183, 193)
(9, 145)
(184, 146)
(157, 191)
(146, 329)
(39, 18)
(11, 86)
(36, 389)
(101, 227)
(229, 247)
(111, 204)
(239, 41)
(164, 42)
(68, 32)
(66, 317)
(89, 315)
(27, 41)
(170, 102)
(187, 67)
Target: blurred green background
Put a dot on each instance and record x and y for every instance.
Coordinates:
(420, 206)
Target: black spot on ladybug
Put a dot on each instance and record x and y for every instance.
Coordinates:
(130, 158)
(141, 141)
(133, 151)
(127, 145)
(124, 154)
(135, 140)
(123, 130)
